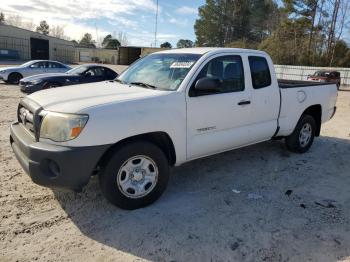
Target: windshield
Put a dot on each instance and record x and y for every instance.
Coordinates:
(27, 64)
(159, 71)
(77, 70)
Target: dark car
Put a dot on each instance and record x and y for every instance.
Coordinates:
(326, 76)
(78, 75)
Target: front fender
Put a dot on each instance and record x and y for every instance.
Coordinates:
(111, 123)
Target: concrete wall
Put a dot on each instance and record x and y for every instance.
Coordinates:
(19, 39)
(108, 56)
(112, 56)
(149, 50)
(301, 72)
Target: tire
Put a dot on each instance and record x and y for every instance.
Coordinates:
(51, 85)
(338, 86)
(128, 184)
(303, 135)
(14, 78)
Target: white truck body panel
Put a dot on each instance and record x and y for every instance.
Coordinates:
(198, 126)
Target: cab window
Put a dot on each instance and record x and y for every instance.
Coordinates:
(260, 72)
(227, 69)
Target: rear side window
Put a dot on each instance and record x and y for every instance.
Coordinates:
(260, 72)
(109, 73)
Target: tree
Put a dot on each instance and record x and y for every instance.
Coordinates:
(184, 43)
(221, 22)
(123, 39)
(86, 41)
(2, 18)
(113, 44)
(58, 31)
(166, 45)
(43, 28)
(110, 43)
(106, 40)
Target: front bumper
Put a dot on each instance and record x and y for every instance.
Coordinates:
(29, 88)
(52, 165)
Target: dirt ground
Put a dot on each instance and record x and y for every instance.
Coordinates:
(199, 217)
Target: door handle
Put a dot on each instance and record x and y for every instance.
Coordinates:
(244, 103)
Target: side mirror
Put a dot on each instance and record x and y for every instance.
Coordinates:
(208, 84)
(88, 74)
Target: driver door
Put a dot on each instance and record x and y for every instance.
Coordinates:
(219, 121)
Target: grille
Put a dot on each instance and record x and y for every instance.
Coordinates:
(27, 119)
(28, 116)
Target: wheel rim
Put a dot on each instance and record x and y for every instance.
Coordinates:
(137, 176)
(305, 135)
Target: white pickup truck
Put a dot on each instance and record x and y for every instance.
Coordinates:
(166, 109)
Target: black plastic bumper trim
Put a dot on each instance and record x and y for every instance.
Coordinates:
(75, 164)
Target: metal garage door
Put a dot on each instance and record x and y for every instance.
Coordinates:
(84, 56)
(39, 48)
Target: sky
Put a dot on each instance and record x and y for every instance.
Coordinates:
(136, 18)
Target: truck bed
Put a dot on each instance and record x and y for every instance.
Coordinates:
(284, 83)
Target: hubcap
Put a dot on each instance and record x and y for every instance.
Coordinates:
(137, 176)
(305, 135)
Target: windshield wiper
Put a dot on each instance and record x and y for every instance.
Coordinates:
(118, 80)
(143, 84)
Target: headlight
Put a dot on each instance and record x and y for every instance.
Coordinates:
(36, 81)
(3, 71)
(61, 127)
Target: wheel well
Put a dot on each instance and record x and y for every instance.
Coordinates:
(16, 73)
(53, 82)
(316, 112)
(161, 139)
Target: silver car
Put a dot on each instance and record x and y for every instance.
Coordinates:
(34, 67)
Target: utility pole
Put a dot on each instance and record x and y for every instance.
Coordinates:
(155, 29)
(97, 41)
(331, 34)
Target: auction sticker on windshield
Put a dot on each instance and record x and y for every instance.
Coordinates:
(181, 64)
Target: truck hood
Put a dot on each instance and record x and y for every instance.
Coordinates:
(74, 99)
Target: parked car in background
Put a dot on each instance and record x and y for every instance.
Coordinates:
(79, 75)
(326, 76)
(14, 74)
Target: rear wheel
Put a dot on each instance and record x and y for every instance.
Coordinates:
(135, 175)
(14, 78)
(303, 135)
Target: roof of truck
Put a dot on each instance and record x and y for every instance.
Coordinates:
(203, 50)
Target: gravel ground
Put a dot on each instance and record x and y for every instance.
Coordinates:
(290, 207)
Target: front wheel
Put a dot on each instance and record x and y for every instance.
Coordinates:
(303, 135)
(135, 175)
(14, 78)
